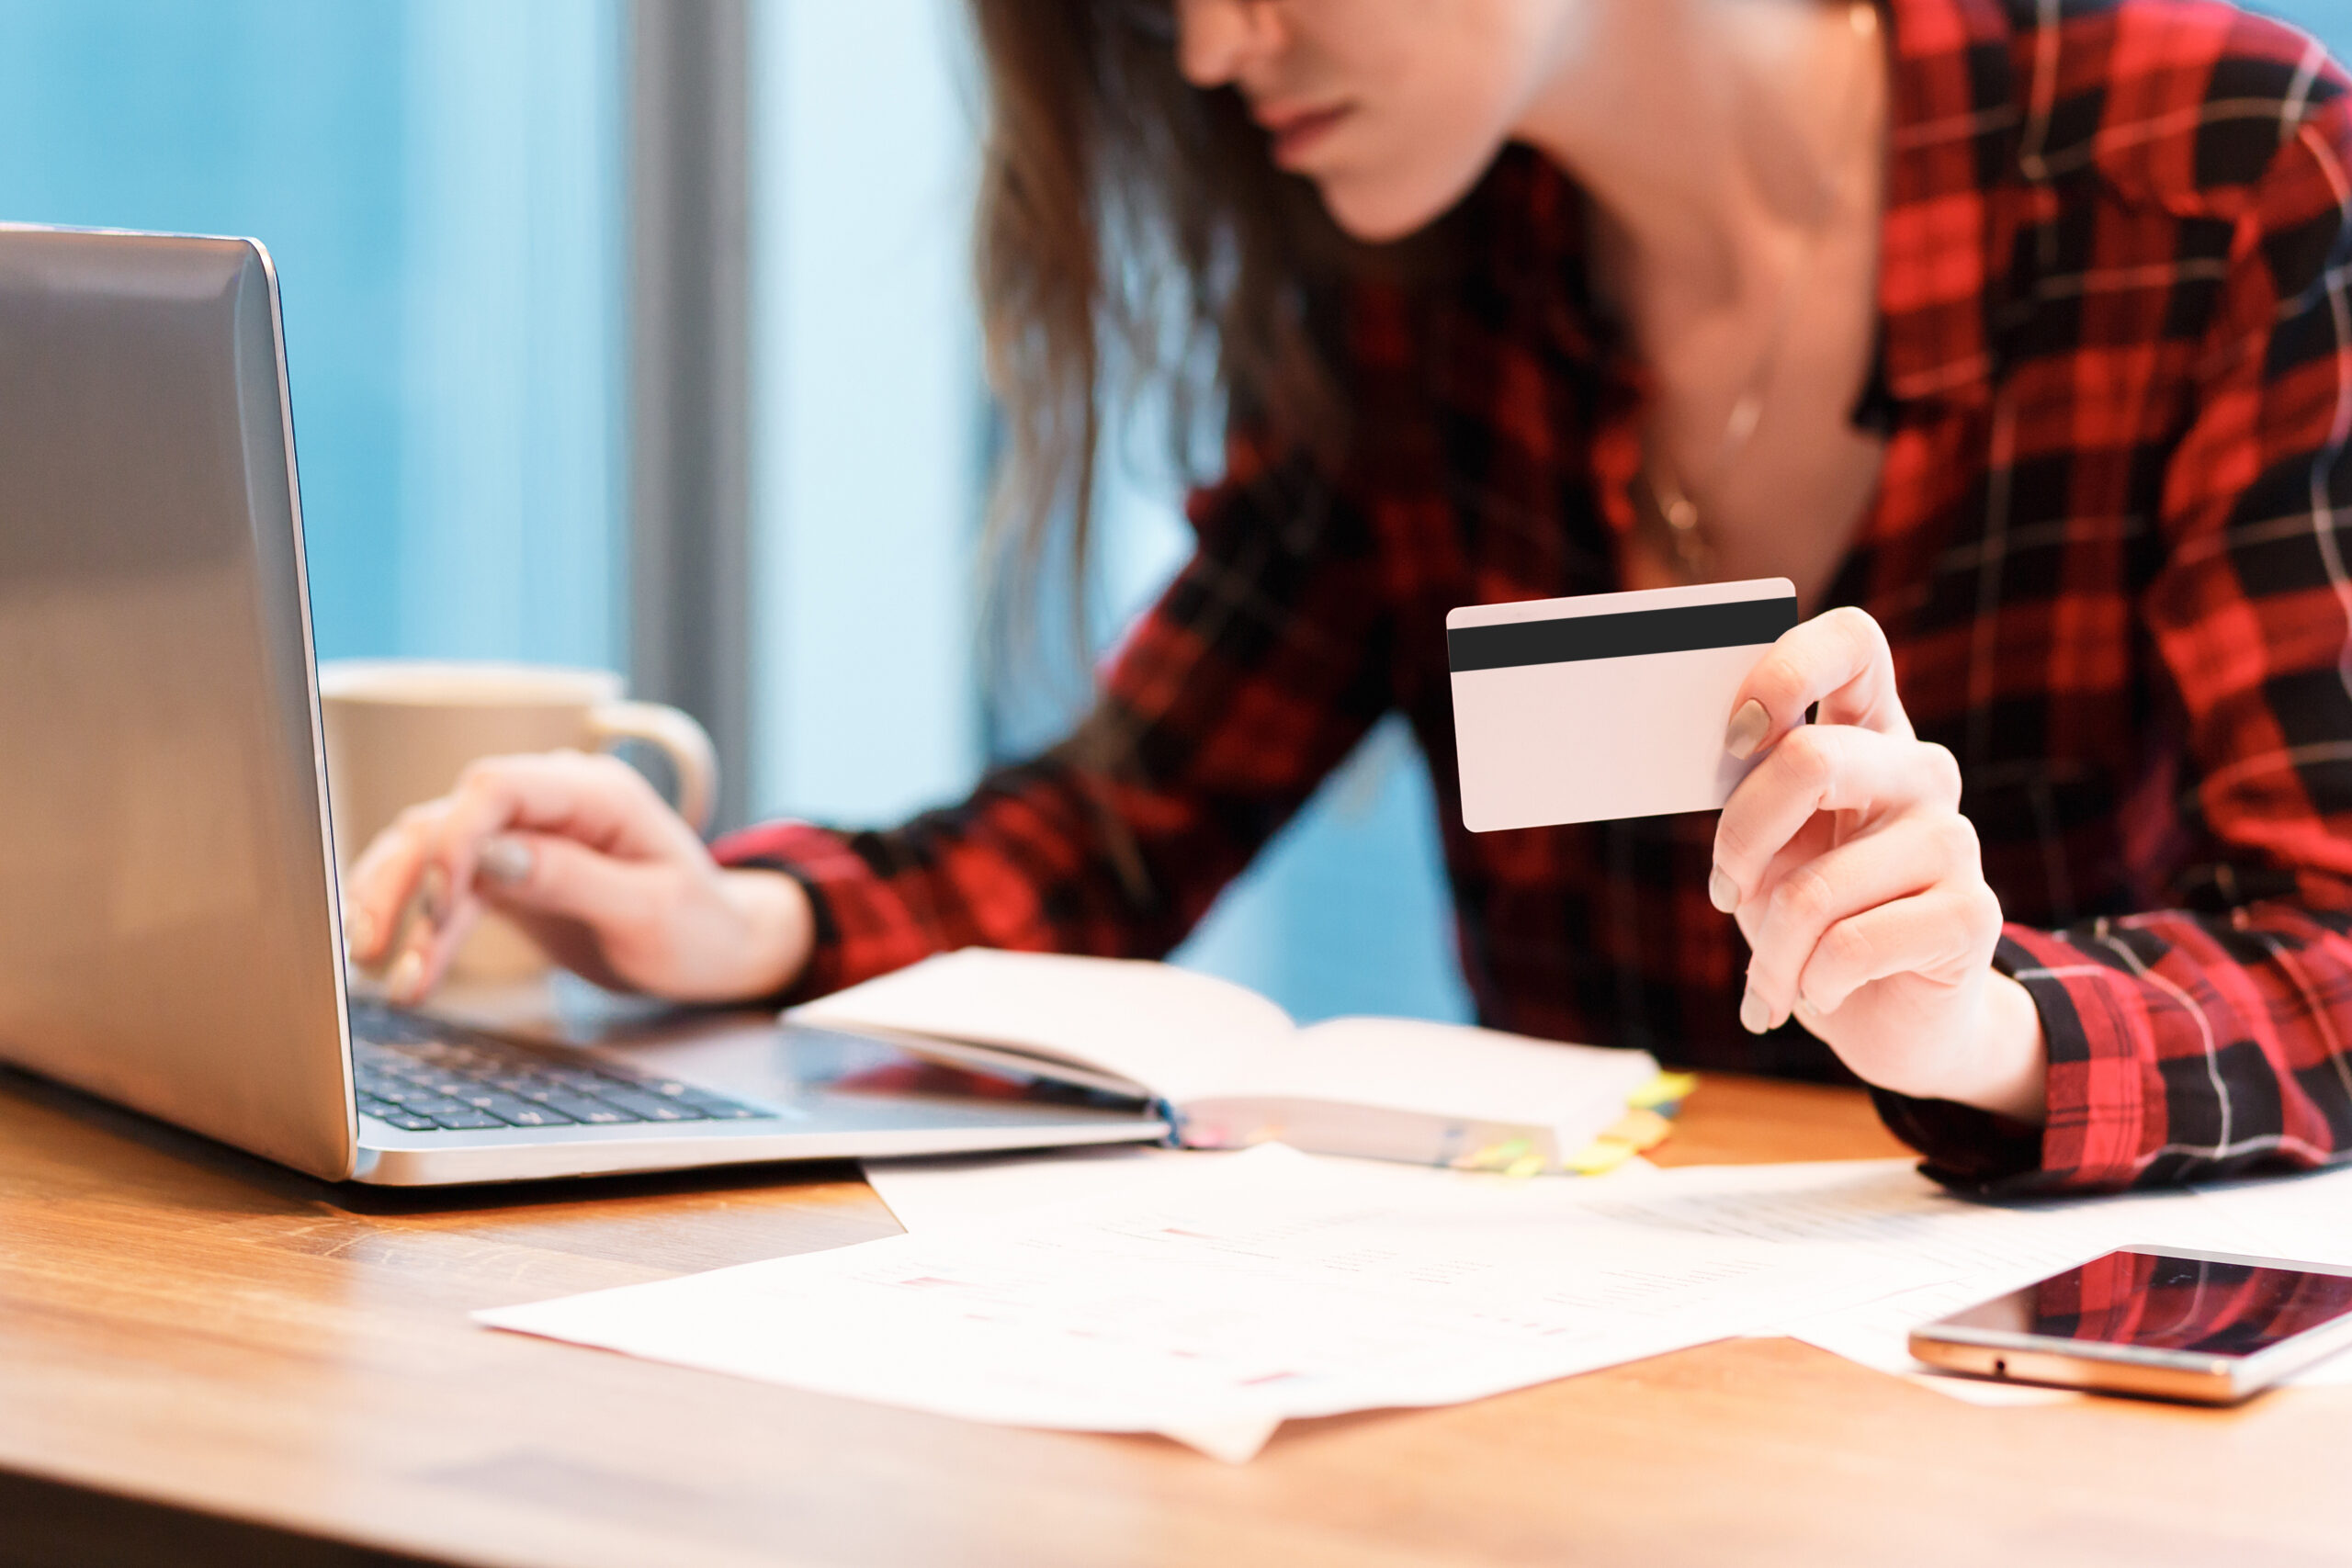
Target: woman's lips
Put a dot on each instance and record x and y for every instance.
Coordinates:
(1296, 135)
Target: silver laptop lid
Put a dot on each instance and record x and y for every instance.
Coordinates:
(168, 935)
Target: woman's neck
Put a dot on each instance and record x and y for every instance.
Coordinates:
(1709, 131)
(1733, 151)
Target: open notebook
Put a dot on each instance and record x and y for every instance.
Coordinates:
(1232, 1069)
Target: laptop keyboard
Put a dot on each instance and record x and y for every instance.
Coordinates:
(421, 1076)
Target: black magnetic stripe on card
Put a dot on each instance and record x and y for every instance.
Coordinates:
(1680, 629)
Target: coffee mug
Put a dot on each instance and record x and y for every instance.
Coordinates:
(400, 731)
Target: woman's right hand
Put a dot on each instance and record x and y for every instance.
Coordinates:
(581, 853)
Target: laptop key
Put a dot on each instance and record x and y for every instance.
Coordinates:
(510, 1106)
(529, 1115)
(702, 1099)
(652, 1107)
(581, 1108)
(466, 1118)
(718, 1108)
(407, 1122)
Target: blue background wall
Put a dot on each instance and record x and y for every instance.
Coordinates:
(437, 181)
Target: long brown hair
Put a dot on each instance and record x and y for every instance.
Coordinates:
(1132, 229)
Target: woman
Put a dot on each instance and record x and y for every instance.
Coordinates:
(2018, 334)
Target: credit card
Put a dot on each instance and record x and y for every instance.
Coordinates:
(1607, 705)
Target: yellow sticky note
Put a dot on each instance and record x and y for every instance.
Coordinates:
(1495, 1157)
(1666, 1088)
(1601, 1156)
(1639, 1130)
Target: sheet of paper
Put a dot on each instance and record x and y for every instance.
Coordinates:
(1215, 1301)
(2304, 1218)
(1889, 1208)
(1875, 1335)
(931, 1194)
(935, 1195)
(1984, 1248)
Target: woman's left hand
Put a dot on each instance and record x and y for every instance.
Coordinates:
(1859, 883)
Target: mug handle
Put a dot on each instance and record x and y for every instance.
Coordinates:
(686, 744)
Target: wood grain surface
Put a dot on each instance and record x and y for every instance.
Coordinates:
(189, 1335)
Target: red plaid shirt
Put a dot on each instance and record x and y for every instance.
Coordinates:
(2116, 373)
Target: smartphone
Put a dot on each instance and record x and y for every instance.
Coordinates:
(2166, 1323)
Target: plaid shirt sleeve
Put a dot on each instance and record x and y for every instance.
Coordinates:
(2197, 1042)
(1255, 674)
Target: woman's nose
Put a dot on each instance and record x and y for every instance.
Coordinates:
(1217, 40)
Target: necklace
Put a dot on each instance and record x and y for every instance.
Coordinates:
(1684, 533)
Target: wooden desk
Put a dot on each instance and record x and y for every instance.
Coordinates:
(204, 1359)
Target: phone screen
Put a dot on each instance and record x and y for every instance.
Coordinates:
(2159, 1302)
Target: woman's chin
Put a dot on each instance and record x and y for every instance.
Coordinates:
(1378, 211)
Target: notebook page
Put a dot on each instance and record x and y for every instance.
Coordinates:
(1450, 1069)
(1175, 1032)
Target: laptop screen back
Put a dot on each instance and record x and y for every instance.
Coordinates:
(167, 938)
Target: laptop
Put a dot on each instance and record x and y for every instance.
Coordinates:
(169, 925)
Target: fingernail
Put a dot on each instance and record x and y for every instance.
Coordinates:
(1805, 1012)
(433, 895)
(1747, 729)
(1754, 1016)
(406, 982)
(358, 930)
(1721, 891)
(504, 862)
